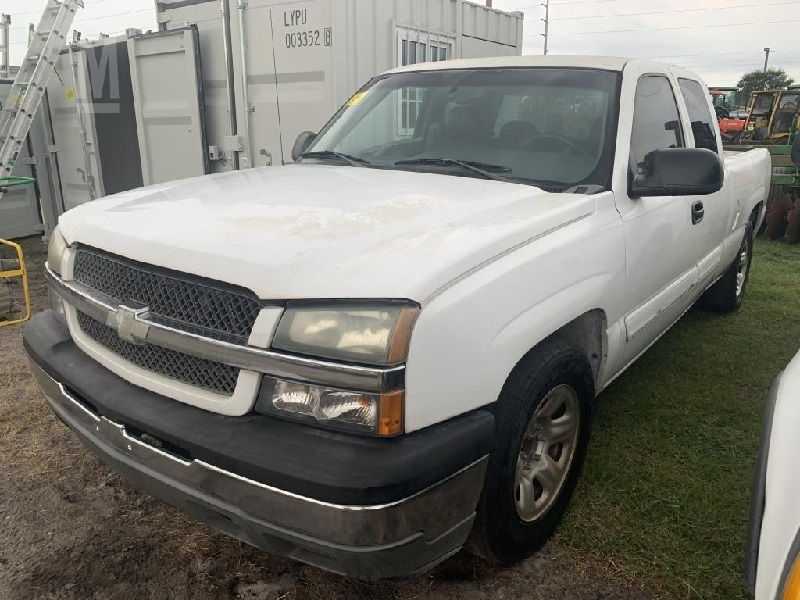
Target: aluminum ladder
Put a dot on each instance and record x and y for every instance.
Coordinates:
(30, 84)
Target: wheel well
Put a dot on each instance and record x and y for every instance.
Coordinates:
(755, 216)
(587, 334)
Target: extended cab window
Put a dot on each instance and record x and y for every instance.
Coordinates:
(699, 115)
(656, 122)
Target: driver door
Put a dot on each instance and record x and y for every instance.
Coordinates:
(661, 255)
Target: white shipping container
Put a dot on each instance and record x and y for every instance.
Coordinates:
(30, 210)
(293, 63)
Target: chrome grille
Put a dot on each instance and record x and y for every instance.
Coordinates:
(175, 299)
(183, 302)
(198, 372)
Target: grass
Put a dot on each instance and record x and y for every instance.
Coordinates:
(666, 489)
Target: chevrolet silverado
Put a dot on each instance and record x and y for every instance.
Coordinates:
(391, 349)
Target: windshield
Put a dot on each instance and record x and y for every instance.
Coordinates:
(548, 127)
(763, 104)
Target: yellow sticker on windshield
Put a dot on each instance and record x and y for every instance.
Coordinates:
(70, 94)
(357, 99)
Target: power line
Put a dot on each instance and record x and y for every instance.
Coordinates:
(82, 20)
(682, 27)
(23, 15)
(122, 14)
(724, 52)
(674, 11)
(562, 2)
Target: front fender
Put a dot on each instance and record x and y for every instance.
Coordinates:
(552, 314)
(468, 339)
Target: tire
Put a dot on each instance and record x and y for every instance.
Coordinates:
(727, 294)
(504, 530)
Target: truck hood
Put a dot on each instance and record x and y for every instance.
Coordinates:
(319, 231)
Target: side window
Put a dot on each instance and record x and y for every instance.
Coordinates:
(656, 122)
(699, 115)
(416, 47)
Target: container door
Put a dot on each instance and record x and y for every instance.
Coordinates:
(19, 212)
(114, 116)
(303, 40)
(289, 74)
(167, 90)
(259, 122)
(74, 137)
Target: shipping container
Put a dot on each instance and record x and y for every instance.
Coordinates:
(31, 209)
(94, 129)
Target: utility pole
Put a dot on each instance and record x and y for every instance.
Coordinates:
(5, 45)
(767, 52)
(546, 20)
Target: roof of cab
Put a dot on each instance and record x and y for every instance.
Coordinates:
(607, 63)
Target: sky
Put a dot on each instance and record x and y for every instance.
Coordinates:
(720, 39)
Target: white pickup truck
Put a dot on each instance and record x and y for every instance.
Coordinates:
(391, 350)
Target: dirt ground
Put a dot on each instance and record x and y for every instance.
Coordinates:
(70, 529)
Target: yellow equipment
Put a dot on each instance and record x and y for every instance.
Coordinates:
(19, 271)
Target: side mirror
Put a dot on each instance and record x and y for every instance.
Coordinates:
(301, 144)
(678, 172)
(796, 150)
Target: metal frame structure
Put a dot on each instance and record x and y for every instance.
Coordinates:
(19, 273)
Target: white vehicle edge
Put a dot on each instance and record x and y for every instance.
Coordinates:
(772, 567)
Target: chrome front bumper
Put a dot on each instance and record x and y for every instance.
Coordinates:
(369, 542)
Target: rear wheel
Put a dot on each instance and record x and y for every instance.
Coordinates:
(543, 421)
(727, 294)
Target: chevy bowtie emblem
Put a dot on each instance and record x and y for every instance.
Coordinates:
(128, 324)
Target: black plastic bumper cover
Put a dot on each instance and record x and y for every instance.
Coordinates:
(327, 466)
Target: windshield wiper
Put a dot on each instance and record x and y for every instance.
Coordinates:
(351, 160)
(483, 169)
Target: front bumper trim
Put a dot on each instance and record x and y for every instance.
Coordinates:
(366, 541)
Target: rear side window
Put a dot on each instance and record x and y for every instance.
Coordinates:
(699, 114)
(656, 123)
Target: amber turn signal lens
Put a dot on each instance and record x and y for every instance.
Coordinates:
(390, 421)
(791, 591)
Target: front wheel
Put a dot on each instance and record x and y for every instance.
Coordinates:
(542, 426)
(727, 294)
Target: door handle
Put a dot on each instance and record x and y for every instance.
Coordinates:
(698, 212)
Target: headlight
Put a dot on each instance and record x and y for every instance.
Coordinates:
(376, 414)
(56, 250)
(371, 333)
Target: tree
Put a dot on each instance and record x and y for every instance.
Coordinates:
(760, 80)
